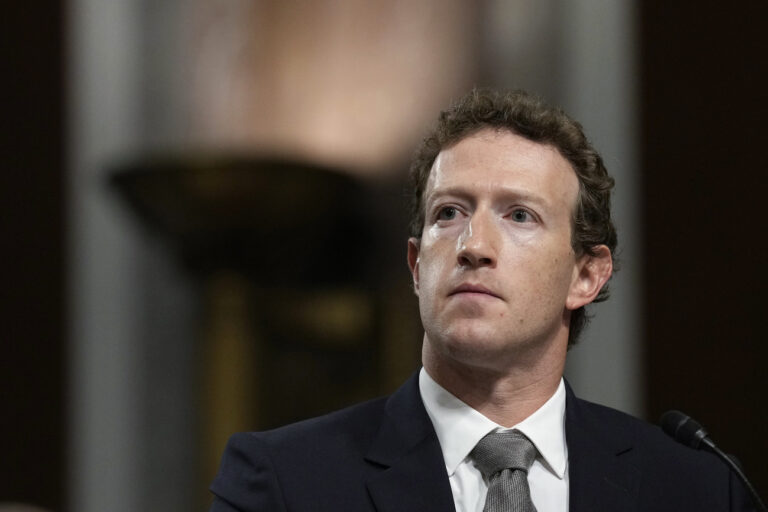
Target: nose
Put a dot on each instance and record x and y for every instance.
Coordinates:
(479, 243)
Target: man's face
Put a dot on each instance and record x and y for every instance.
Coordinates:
(494, 269)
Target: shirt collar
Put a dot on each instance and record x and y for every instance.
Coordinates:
(459, 427)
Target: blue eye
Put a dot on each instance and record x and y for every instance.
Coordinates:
(521, 216)
(447, 213)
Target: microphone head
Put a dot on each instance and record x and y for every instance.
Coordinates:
(682, 428)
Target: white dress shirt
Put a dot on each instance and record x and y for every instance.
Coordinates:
(459, 428)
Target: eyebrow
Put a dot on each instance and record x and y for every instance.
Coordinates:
(503, 193)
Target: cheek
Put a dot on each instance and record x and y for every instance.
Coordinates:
(560, 274)
(433, 257)
(550, 269)
(430, 278)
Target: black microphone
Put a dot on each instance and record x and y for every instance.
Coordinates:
(684, 429)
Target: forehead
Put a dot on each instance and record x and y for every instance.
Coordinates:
(499, 160)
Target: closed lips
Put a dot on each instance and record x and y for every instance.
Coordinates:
(473, 288)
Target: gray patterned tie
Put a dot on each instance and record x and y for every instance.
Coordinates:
(504, 459)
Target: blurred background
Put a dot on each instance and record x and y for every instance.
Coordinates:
(203, 230)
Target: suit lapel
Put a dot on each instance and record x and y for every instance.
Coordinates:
(414, 477)
(600, 478)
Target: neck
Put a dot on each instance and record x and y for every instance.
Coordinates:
(505, 395)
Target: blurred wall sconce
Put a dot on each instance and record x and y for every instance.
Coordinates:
(285, 252)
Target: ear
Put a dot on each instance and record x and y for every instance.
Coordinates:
(413, 261)
(589, 275)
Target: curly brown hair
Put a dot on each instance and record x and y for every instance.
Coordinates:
(530, 117)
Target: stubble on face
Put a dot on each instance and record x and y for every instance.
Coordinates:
(494, 265)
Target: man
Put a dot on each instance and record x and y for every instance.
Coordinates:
(511, 239)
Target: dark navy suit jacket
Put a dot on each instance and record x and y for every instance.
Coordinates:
(384, 456)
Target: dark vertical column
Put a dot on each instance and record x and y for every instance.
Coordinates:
(32, 255)
(705, 170)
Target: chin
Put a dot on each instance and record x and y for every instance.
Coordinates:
(475, 347)
(487, 346)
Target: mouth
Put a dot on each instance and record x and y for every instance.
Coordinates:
(468, 288)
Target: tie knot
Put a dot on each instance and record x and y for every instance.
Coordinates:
(497, 451)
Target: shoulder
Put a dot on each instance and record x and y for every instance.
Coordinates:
(268, 470)
(352, 426)
(651, 445)
(663, 470)
(350, 429)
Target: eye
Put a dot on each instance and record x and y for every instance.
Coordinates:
(447, 213)
(520, 215)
